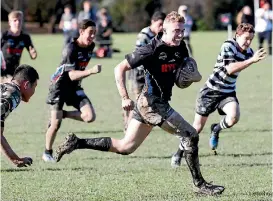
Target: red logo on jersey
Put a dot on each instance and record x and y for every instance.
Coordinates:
(83, 64)
(167, 68)
(14, 51)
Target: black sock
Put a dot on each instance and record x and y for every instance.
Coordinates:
(192, 159)
(217, 128)
(64, 114)
(49, 151)
(222, 125)
(101, 144)
(179, 152)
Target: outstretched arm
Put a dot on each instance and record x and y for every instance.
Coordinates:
(6, 149)
(78, 75)
(239, 66)
(11, 155)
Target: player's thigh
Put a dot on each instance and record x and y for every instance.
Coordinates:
(85, 106)
(232, 109)
(176, 124)
(135, 134)
(81, 102)
(206, 102)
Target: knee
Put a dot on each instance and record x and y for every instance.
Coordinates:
(125, 149)
(190, 144)
(232, 120)
(89, 117)
(55, 125)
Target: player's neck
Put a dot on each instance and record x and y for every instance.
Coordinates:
(151, 28)
(80, 43)
(14, 33)
(165, 40)
(16, 83)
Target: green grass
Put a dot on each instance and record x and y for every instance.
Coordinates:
(243, 165)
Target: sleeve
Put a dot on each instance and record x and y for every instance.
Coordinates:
(68, 58)
(5, 110)
(142, 39)
(140, 56)
(28, 42)
(228, 52)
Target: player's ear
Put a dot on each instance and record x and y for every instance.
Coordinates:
(81, 31)
(26, 84)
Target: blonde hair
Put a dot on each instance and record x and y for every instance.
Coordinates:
(174, 17)
(15, 14)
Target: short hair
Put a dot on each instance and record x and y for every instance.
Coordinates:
(15, 14)
(68, 6)
(174, 17)
(25, 72)
(158, 16)
(244, 27)
(84, 24)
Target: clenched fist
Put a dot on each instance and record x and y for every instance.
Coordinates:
(95, 69)
(127, 104)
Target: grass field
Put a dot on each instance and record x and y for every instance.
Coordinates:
(243, 165)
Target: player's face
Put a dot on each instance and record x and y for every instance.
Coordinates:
(88, 35)
(28, 90)
(157, 26)
(174, 32)
(245, 40)
(15, 24)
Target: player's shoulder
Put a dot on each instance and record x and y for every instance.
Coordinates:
(91, 47)
(146, 31)
(230, 45)
(70, 47)
(5, 33)
(24, 34)
(10, 90)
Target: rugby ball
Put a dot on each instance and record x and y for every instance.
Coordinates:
(187, 73)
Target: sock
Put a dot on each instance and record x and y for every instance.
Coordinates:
(192, 159)
(101, 144)
(180, 151)
(64, 114)
(222, 125)
(49, 151)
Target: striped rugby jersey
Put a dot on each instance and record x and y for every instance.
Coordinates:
(220, 80)
(144, 37)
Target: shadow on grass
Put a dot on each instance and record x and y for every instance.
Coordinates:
(115, 157)
(17, 170)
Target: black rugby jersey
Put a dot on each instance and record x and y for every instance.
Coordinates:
(74, 57)
(12, 48)
(10, 99)
(160, 62)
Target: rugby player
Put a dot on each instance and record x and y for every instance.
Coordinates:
(160, 60)
(219, 91)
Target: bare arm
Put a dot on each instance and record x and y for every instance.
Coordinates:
(32, 53)
(120, 70)
(7, 150)
(78, 75)
(239, 66)
(108, 32)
